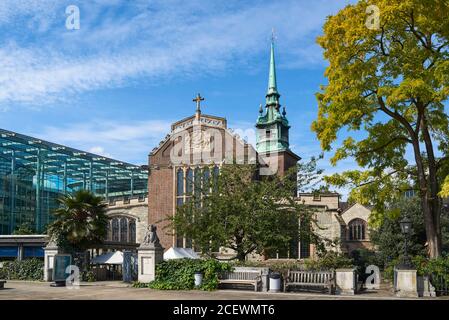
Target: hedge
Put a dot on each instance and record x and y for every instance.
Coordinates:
(28, 269)
(329, 261)
(178, 274)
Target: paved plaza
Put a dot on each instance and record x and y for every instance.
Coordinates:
(24, 290)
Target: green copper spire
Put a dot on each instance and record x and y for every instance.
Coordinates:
(272, 125)
(272, 97)
(272, 84)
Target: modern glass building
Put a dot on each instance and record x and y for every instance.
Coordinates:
(34, 173)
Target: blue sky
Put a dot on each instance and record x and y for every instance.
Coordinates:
(114, 86)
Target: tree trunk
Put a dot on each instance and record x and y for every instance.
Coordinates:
(432, 200)
(432, 235)
(241, 253)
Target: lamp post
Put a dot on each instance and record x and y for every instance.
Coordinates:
(406, 228)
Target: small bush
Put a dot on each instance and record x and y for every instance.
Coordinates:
(363, 258)
(178, 274)
(436, 267)
(88, 276)
(281, 266)
(28, 269)
(329, 261)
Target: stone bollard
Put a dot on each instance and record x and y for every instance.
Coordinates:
(49, 257)
(346, 281)
(406, 283)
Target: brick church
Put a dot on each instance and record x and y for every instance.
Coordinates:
(199, 145)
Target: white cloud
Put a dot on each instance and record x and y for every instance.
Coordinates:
(150, 40)
(130, 141)
(100, 151)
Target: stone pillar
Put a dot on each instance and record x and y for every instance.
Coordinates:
(345, 281)
(406, 283)
(148, 257)
(49, 258)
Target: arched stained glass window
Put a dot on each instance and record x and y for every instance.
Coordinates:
(123, 230)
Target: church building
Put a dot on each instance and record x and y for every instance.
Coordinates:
(197, 147)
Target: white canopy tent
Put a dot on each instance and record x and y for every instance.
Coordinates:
(180, 253)
(109, 258)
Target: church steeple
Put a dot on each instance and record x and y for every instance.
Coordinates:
(272, 97)
(272, 125)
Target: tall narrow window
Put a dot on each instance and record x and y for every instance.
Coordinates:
(115, 230)
(215, 173)
(304, 248)
(123, 230)
(189, 182)
(132, 231)
(180, 183)
(197, 181)
(179, 241)
(206, 179)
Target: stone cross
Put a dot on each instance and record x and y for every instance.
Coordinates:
(198, 100)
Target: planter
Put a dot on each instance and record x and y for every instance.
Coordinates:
(198, 279)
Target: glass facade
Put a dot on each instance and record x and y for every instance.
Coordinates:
(34, 173)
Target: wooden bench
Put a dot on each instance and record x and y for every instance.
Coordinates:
(253, 278)
(2, 284)
(324, 279)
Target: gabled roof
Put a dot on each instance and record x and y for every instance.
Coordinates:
(352, 205)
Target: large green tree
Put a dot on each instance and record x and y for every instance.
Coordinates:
(241, 212)
(388, 83)
(81, 221)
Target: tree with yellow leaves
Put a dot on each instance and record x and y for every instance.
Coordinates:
(387, 83)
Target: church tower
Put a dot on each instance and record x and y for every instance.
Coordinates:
(272, 136)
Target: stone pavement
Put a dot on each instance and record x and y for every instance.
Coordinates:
(25, 290)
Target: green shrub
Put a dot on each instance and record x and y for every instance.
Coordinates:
(329, 261)
(281, 266)
(362, 258)
(436, 267)
(88, 276)
(28, 269)
(389, 268)
(178, 274)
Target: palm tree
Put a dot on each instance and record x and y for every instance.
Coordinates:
(81, 221)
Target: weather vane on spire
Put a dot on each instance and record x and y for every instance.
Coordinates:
(198, 100)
